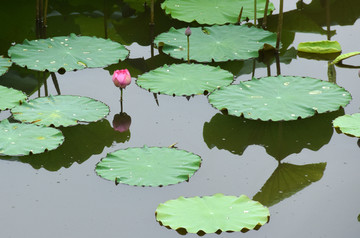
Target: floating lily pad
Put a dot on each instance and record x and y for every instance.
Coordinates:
(348, 124)
(63, 110)
(10, 98)
(320, 47)
(210, 214)
(67, 52)
(5, 63)
(148, 166)
(218, 43)
(280, 98)
(185, 79)
(24, 139)
(345, 56)
(214, 12)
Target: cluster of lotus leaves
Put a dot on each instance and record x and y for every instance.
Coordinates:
(148, 166)
(67, 52)
(279, 98)
(216, 43)
(10, 98)
(348, 124)
(62, 110)
(185, 79)
(214, 12)
(210, 214)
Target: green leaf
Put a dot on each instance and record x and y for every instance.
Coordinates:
(69, 53)
(212, 213)
(63, 110)
(10, 98)
(280, 98)
(184, 79)
(279, 139)
(214, 12)
(218, 43)
(348, 124)
(148, 166)
(320, 47)
(288, 179)
(345, 56)
(23, 139)
(5, 63)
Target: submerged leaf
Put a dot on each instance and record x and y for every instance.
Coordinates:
(10, 98)
(320, 47)
(184, 79)
(212, 213)
(63, 110)
(24, 139)
(148, 166)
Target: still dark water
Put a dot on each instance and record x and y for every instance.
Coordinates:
(303, 170)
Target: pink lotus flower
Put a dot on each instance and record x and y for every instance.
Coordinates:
(121, 78)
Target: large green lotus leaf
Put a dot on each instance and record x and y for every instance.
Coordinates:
(82, 141)
(348, 124)
(320, 47)
(5, 63)
(63, 110)
(67, 52)
(288, 179)
(148, 166)
(280, 139)
(24, 139)
(185, 79)
(216, 43)
(213, 11)
(10, 98)
(210, 214)
(280, 98)
(342, 57)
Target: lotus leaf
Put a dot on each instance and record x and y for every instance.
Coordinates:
(63, 110)
(280, 98)
(69, 53)
(348, 124)
(10, 98)
(320, 47)
(24, 139)
(185, 79)
(5, 63)
(212, 11)
(216, 43)
(148, 166)
(212, 213)
(345, 56)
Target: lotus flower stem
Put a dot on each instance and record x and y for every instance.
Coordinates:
(45, 85)
(105, 19)
(152, 12)
(55, 81)
(277, 58)
(255, 12)
(254, 66)
(156, 99)
(239, 17)
(121, 100)
(45, 12)
(280, 23)
(264, 23)
(328, 19)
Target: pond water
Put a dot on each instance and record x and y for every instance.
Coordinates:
(304, 171)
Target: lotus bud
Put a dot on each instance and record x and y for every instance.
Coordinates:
(121, 122)
(188, 31)
(121, 78)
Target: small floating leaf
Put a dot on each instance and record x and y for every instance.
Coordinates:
(280, 98)
(184, 79)
(148, 166)
(212, 213)
(5, 63)
(213, 12)
(320, 47)
(345, 56)
(23, 139)
(67, 52)
(10, 98)
(63, 110)
(348, 124)
(218, 43)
